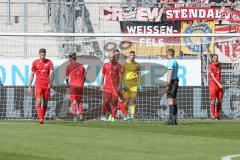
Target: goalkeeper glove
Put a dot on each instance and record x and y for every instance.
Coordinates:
(66, 81)
(139, 88)
(123, 86)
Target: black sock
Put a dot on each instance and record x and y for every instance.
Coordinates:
(175, 110)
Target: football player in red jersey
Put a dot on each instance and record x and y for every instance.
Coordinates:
(75, 78)
(110, 85)
(215, 87)
(43, 68)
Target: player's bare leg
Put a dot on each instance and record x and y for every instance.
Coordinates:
(80, 109)
(132, 107)
(219, 106)
(122, 105)
(105, 105)
(44, 108)
(38, 109)
(74, 110)
(213, 101)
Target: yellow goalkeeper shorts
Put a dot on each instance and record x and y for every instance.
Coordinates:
(131, 91)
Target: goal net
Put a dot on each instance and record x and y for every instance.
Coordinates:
(193, 54)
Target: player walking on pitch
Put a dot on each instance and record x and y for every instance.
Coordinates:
(75, 78)
(215, 87)
(131, 82)
(172, 87)
(110, 84)
(43, 68)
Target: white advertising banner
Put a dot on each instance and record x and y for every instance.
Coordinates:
(16, 72)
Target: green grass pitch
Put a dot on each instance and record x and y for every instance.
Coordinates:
(96, 140)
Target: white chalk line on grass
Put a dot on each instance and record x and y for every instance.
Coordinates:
(230, 157)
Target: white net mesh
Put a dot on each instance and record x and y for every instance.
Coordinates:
(193, 94)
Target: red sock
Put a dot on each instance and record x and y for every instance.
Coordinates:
(122, 107)
(80, 108)
(104, 109)
(74, 109)
(213, 109)
(44, 109)
(38, 109)
(219, 105)
(109, 109)
(114, 111)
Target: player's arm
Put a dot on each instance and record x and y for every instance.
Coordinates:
(120, 77)
(66, 80)
(122, 82)
(169, 78)
(139, 79)
(31, 78)
(33, 70)
(30, 81)
(102, 78)
(51, 75)
(84, 74)
(170, 73)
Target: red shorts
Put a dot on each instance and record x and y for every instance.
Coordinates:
(215, 92)
(76, 93)
(110, 98)
(41, 91)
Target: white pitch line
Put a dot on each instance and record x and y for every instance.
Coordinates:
(230, 157)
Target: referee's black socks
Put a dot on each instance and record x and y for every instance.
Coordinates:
(175, 112)
(171, 109)
(172, 119)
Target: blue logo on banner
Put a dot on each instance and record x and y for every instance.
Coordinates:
(201, 44)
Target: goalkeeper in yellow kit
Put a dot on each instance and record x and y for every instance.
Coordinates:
(131, 82)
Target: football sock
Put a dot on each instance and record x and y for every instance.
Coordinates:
(114, 111)
(213, 109)
(175, 110)
(104, 109)
(122, 107)
(80, 108)
(219, 105)
(38, 109)
(132, 110)
(44, 110)
(74, 109)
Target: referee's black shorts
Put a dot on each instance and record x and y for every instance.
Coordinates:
(173, 89)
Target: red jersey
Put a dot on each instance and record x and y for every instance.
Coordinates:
(76, 73)
(42, 70)
(216, 70)
(112, 72)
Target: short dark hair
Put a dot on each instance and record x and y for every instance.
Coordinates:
(42, 50)
(73, 56)
(116, 50)
(171, 51)
(213, 55)
(132, 52)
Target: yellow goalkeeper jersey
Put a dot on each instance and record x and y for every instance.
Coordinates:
(131, 71)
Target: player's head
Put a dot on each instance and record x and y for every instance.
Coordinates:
(72, 57)
(42, 53)
(170, 53)
(117, 53)
(112, 57)
(215, 58)
(132, 55)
